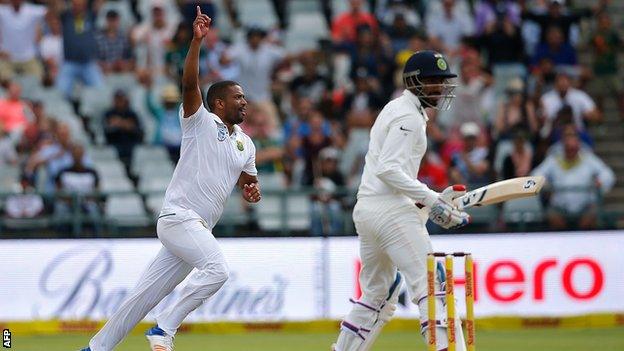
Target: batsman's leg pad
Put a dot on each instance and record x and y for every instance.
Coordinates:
(362, 326)
(441, 322)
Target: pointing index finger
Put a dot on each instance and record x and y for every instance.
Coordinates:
(198, 11)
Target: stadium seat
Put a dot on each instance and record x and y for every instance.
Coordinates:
(526, 210)
(115, 184)
(121, 81)
(138, 102)
(485, 216)
(270, 212)
(152, 157)
(30, 86)
(94, 101)
(234, 212)
(9, 178)
(110, 169)
(162, 169)
(103, 153)
(126, 211)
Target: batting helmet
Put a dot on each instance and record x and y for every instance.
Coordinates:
(429, 64)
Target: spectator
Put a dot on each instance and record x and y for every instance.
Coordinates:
(542, 79)
(327, 203)
(560, 52)
(79, 48)
(364, 98)
(446, 28)
(605, 43)
(519, 162)
(257, 60)
(470, 165)
(122, 127)
(82, 180)
(502, 40)
(470, 92)
(24, 205)
(367, 55)
(400, 31)
(37, 131)
(575, 177)
(557, 15)
(492, 13)
(312, 143)
(311, 83)
(344, 27)
(54, 156)
(516, 112)
(114, 51)
(583, 107)
(20, 24)
(51, 46)
(151, 37)
(8, 155)
(168, 130)
(176, 53)
(220, 65)
(13, 116)
(269, 149)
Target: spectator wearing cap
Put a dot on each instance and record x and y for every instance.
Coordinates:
(168, 129)
(583, 107)
(151, 37)
(446, 28)
(114, 50)
(13, 116)
(560, 52)
(576, 178)
(399, 31)
(492, 13)
(78, 179)
(517, 111)
(79, 48)
(470, 165)
(20, 24)
(344, 26)
(327, 202)
(258, 59)
(605, 42)
(122, 127)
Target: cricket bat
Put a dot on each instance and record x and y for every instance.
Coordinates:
(510, 189)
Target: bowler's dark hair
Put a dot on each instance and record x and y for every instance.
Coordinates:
(218, 91)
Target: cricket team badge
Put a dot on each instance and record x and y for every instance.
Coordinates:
(239, 145)
(222, 131)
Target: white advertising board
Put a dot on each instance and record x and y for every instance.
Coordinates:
(309, 278)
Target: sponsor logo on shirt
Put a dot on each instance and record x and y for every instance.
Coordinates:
(222, 131)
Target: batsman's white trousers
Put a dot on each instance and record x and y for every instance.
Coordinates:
(392, 235)
(187, 244)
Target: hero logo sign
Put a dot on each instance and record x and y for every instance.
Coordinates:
(506, 280)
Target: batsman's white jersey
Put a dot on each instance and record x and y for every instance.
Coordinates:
(390, 226)
(211, 161)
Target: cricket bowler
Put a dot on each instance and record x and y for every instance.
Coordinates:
(393, 207)
(215, 157)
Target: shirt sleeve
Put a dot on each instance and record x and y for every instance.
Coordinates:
(604, 174)
(586, 102)
(250, 166)
(545, 168)
(395, 153)
(192, 124)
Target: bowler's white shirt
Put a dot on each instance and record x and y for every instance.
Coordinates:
(211, 161)
(398, 141)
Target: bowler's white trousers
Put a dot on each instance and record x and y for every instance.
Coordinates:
(187, 244)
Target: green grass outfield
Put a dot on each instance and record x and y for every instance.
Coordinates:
(607, 339)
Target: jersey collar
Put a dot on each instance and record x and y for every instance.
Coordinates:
(414, 99)
(236, 130)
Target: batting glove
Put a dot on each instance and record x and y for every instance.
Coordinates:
(444, 213)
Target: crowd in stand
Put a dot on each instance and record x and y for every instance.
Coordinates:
(522, 104)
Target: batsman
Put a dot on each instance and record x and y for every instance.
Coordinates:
(393, 207)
